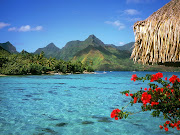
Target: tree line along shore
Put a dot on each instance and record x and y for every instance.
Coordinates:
(25, 63)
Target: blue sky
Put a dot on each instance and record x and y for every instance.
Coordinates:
(31, 24)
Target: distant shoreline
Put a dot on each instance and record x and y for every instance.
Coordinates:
(52, 73)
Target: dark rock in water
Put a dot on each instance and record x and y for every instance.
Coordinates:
(87, 122)
(70, 111)
(53, 119)
(52, 92)
(107, 130)
(72, 87)
(95, 116)
(48, 130)
(28, 95)
(59, 83)
(37, 93)
(61, 124)
(19, 89)
(25, 99)
(104, 119)
(37, 99)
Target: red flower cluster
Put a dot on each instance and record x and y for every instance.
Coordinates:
(135, 99)
(156, 76)
(114, 113)
(145, 98)
(134, 77)
(154, 103)
(174, 78)
(156, 97)
(170, 125)
(127, 94)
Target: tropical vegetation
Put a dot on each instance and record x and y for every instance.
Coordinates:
(26, 63)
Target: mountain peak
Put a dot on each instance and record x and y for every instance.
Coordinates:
(93, 40)
(8, 42)
(9, 47)
(92, 36)
(50, 50)
(51, 45)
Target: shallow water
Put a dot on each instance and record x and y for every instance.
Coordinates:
(73, 104)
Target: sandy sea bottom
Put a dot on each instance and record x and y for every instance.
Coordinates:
(73, 105)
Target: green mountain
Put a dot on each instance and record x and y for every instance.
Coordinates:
(8, 47)
(104, 58)
(50, 50)
(73, 47)
(128, 46)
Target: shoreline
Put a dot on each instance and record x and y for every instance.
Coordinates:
(52, 73)
(60, 73)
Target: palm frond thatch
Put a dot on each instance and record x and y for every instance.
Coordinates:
(157, 39)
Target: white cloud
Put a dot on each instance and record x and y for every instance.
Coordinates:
(131, 12)
(117, 24)
(37, 28)
(121, 43)
(2, 25)
(26, 28)
(134, 19)
(12, 29)
(138, 1)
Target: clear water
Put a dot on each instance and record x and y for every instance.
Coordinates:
(73, 105)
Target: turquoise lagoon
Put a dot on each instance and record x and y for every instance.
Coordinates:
(73, 105)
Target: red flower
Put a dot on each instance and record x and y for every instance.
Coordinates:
(172, 125)
(116, 118)
(154, 103)
(135, 100)
(166, 129)
(131, 94)
(173, 79)
(178, 79)
(127, 94)
(134, 77)
(162, 90)
(161, 127)
(145, 88)
(167, 122)
(172, 90)
(145, 98)
(156, 76)
(159, 75)
(114, 113)
(178, 122)
(165, 78)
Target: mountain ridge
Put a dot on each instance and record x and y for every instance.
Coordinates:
(8, 47)
(50, 50)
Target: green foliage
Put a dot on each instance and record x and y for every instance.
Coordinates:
(27, 63)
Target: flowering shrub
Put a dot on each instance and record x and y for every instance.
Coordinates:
(164, 99)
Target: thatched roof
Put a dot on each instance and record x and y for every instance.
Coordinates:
(157, 39)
